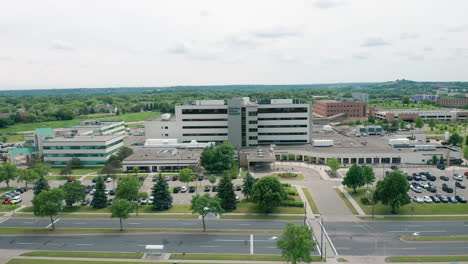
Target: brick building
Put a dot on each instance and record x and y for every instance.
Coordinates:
(328, 108)
(452, 102)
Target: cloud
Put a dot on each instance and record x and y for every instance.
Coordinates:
(325, 4)
(455, 29)
(409, 35)
(6, 58)
(361, 56)
(427, 49)
(205, 13)
(191, 52)
(61, 45)
(278, 32)
(179, 48)
(254, 38)
(415, 57)
(374, 42)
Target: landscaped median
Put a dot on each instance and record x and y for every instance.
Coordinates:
(263, 217)
(75, 215)
(346, 201)
(435, 238)
(413, 259)
(84, 254)
(417, 218)
(310, 200)
(235, 257)
(71, 261)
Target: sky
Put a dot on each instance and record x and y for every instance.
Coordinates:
(112, 43)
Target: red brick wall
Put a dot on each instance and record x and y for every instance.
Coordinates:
(352, 109)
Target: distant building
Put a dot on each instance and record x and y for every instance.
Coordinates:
(93, 142)
(419, 97)
(369, 130)
(453, 102)
(360, 96)
(328, 108)
(410, 115)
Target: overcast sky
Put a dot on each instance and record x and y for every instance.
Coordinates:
(112, 43)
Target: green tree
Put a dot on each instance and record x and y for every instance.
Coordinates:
(455, 139)
(128, 188)
(419, 122)
(441, 160)
(124, 152)
(268, 193)
(135, 170)
(213, 179)
(186, 176)
(100, 198)
(354, 178)
(74, 192)
(219, 158)
(41, 185)
(204, 205)
(65, 170)
(435, 160)
(121, 209)
(140, 196)
(371, 119)
(42, 169)
(162, 196)
(48, 203)
(431, 123)
(369, 176)
(27, 175)
(8, 172)
(74, 163)
(247, 186)
(402, 124)
(333, 164)
(296, 243)
(226, 194)
(393, 191)
(405, 100)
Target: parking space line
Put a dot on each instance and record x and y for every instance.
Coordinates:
(251, 244)
(2, 221)
(84, 244)
(49, 225)
(210, 246)
(429, 231)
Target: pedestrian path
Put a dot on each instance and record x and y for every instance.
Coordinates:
(352, 201)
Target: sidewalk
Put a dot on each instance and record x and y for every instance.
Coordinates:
(353, 202)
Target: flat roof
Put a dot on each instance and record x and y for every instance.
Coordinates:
(140, 154)
(83, 138)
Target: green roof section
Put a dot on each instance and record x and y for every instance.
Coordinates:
(44, 132)
(20, 151)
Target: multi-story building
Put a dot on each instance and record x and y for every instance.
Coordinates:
(241, 122)
(410, 115)
(328, 108)
(419, 97)
(455, 102)
(360, 96)
(91, 141)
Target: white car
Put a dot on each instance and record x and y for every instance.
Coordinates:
(416, 189)
(423, 178)
(418, 199)
(427, 199)
(16, 199)
(108, 179)
(457, 177)
(106, 191)
(424, 185)
(183, 189)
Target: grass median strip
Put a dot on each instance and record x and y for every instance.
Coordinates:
(242, 257)
(85, 254)
(310, 200)
(71, 261)
(428, 258)
(417, 218)
(346, 201)
(264, 217)
(44, 231)
(174, 216)
(435, 238)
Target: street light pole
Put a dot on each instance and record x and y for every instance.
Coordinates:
(321, 237)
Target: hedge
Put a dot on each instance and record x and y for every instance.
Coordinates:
(292, 203)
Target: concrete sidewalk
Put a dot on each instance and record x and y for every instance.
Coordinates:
(352, 201)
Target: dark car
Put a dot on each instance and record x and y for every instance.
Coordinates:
(20, 190)
(207, 188)
(175, 178)
(409, 178)
(447, 188)
(444, 178)
(441, 166)
(215, 188)
(394, 167)
(452, 199)
(431, 177)
(460, 185)
(70, 179)
(200, 177)
(110, 201)
(460, 199)
(94, 180)
(111, 192)
(141, 178)
(85, 202)
(154, 179)
(435, 199)
(176, 190)
(417, 177)
(432, 189)
(442, 198)
(238, 187)
(192, 189)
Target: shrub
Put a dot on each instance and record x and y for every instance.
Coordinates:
(287, 175)
(292, 203)
(365, 201)
(286, 184)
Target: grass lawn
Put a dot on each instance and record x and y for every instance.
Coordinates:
(249, 207)
(194, 256)
(264, 217)
(6, 208)
(51, 178)
(81, 171)
(55, 261)
(428, 258)
(2, 214)
(435, 238)
(129, 117)
(417, 218)
(155, 215)
(399, 105)
(346, 201)
(6, 189)
(176, 208)
(84, 254)
(310, 201)
(299, 177)
(419, 209)
(15, 137)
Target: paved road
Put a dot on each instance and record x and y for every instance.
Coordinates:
(174, 243)
(150, 223)
(383, 238)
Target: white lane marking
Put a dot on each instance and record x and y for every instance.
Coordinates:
(28, 222)
(345, 248)
(2, 221)
(84, 244)
(230, 240)
(244, 224)
(271, 247)
(19, 243)
(429, 231)
(134, 223)
(210, 246)
(187, 224)
(251, 244)
(49, 225)
(79, 223)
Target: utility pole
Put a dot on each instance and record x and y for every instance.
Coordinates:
(321, 236)
(305, 213)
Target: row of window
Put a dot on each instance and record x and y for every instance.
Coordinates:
(282, 118)
(203, 127)
(203, 111)
(82, 162)
(82, 147)
(202, 120)
(282, 110)
(78, 155)
(276, 126)
(260, 142)
(282, 134)
(205, 135)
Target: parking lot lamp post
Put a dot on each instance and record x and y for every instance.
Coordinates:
(321, 237)
(305, 213)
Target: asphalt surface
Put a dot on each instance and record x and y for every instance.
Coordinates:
(149, 223)
(383, 238)
(173, 243)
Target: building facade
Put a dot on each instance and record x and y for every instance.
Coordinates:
(410, 115)
(453, 102)
(326, 108)
(419, 97)
(241, 122)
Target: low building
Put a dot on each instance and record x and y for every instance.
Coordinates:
(360, 96)
(327, 108)
(454, 102)
(420, 97)
(364, 130)
(162, 159)
(410, 115)
(93, 142)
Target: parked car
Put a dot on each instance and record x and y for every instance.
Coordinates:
(108, 179)
(460, 185)
(442, 198)
(457, 177)
(107, 191)
(431, 177)
(94, 179)
(394, 167)
(238, 187)
(423, 178)
(215, 188)
(427, 199)
(167, 178)
(111, 192)
(452, 199)
(176, 190)
(154, 179)
(183, 189)
(207, 188)
(416, 189)
(435, 199)
(7, 201)
(110, 201)
(237, 199)
(17, 199)
(441, 166)
(409, 178)
(70, 179)
(200, 177)
(417, 177)
(20, 190)
(444, 178)
(447, 188)
(418, 199)
(460, 199)
(192, 189)
(425, 185)
(144, 201)
(142, 178)
(175, 178)
(432, 189)
(85, 202)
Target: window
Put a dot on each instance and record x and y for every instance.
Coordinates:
(203, 111)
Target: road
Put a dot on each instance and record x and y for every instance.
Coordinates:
(383, 238)
(150, 223)
(173, 243)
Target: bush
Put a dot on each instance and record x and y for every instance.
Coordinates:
(286, 184)
(287, 175)
(292, 204)
(292, 192)
(365, 201)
